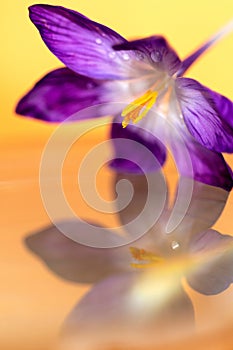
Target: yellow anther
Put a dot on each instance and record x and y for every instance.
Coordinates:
(138, 109)
(144, 258)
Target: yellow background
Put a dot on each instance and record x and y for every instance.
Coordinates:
(33, 301)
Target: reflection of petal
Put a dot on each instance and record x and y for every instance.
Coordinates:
(215, 273)
(202, 212)
(143, 214)
(74, 261)
(183, 221)
(111, 303)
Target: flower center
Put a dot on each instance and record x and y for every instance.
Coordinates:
(138, 109)
(144, 259)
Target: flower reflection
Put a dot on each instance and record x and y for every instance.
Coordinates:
(150, 298)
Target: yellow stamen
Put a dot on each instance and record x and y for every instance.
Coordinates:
(147, 259)
(138, 109)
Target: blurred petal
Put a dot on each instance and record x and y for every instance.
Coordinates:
(207, 124)
(187, 62)
(61, 93)
(154, 50)
(113, 303)
(73, 261)
(214, 274)
(81, 44)
(136, 150)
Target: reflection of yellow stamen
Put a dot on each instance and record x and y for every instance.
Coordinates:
(137, 109)
(147, 259)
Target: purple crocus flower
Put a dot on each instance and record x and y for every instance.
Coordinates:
(147, 76)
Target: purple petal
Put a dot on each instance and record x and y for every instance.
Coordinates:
(73, 261)
(206, 119)
(81, 44)
(154, 50)
(222, 105)
(136, 150)
(206, 166)
(61, 93)
(215, 273)
(196, 54)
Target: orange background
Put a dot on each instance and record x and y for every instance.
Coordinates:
(33, 301)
